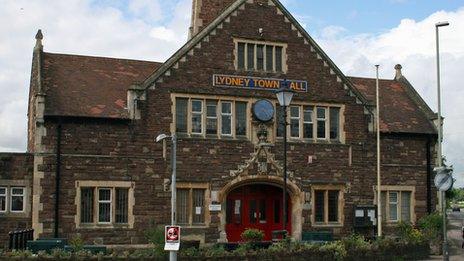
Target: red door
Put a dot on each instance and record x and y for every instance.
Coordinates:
(255, 206)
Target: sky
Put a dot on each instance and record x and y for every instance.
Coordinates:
(356, 34)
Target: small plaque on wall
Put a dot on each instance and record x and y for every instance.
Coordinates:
(215, 207)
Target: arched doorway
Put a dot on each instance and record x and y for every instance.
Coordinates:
(257, 206)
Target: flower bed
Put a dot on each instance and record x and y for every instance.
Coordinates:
(351, 248)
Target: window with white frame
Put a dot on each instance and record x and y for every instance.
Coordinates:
(3, 199)
(260, 56)
(211, 118)
(104, 205)
(312, 123)
(396, 205)
(17, 199)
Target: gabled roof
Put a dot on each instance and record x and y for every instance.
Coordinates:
(195, 42)
(399, 113)
(86, 86)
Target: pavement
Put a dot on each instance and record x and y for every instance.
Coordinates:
(455, 224)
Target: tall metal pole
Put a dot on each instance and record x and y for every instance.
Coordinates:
(173, 254)
(284, 203)
(379, 201)
(440, 135)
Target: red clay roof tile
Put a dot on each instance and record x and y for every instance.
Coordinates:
(398, 112)
(86, 86)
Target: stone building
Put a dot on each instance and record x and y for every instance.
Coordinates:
(92, 166)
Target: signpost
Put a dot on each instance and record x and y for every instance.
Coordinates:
(172, 238)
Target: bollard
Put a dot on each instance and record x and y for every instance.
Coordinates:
(10, 240)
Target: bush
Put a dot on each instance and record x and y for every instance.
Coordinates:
(77, 243)
(155, 236)
(410, 234)
(431, 225)
(252, 235)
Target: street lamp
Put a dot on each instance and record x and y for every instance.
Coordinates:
(285, 95)
(440, 135)
(162, 137)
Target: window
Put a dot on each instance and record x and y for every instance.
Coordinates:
(311, 123)
(327, 205)
(13, 198)
(226, 118)
(295, 121)
(260, 56)
(104, 203)
(197, 116)
(321, 122)
(17, 199)
(397, 205)
(308, 122)
(334, 123)
(87, 205)
(3, 199)
(240, 118)
(181, 115)
(211, 118)
(191, 206)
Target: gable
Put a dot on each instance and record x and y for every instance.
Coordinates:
(202, 38)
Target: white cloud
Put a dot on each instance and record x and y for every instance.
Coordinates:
(75, 26)
(412, 44)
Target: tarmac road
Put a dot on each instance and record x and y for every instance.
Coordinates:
(455, 224)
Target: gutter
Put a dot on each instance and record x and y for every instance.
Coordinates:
(57, 177)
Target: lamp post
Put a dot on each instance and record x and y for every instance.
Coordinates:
(162, 137)
(284, 96)
(440, 135)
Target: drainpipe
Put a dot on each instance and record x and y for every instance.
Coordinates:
(429, 175)
(57, 177)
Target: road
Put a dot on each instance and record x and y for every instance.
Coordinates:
(455, 224)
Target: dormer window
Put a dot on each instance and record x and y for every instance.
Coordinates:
(260, 56)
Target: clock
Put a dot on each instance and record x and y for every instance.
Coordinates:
(263, 110)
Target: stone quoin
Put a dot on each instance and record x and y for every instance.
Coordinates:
(92, 167)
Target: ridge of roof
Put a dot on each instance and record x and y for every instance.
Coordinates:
(416, 98)
(100, 57)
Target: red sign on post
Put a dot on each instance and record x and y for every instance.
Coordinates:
(172, 238)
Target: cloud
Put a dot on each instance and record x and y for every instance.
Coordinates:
(79, 27)
(412, 44)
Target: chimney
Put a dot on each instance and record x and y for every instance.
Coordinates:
(204, 12)
(398, 74)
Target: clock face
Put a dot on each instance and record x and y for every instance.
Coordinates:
(263, 110)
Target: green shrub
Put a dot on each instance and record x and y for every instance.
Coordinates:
(252, 235)
(410, 234)
(155, 235)
(431, 225)
(215, 251)
(77, 243)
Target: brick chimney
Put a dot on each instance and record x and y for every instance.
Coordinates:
(398, 74)
(204, 12)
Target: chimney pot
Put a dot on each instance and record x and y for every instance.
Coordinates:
(399, 74)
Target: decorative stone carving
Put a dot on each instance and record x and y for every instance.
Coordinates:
(262, 160)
